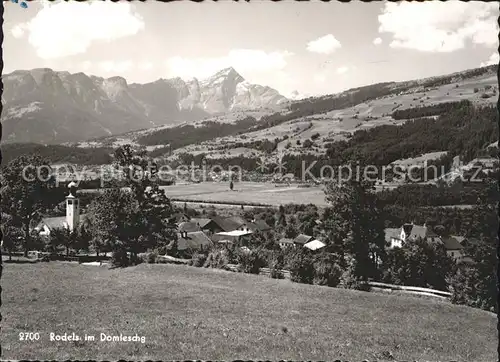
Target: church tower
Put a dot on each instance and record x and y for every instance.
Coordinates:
(72, 208)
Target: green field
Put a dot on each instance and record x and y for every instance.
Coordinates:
(188, 313)
(247, 192)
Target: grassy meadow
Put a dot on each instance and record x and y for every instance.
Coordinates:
(188, 313)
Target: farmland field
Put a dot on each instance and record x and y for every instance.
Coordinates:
(188, 313)
(247, 192)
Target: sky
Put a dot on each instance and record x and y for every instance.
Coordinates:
(313, 48)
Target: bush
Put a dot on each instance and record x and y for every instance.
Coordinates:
(249, 262)
(327, 271)
(350, 279)
(308, 143)
(151, 258)
(467, 288)
(119, 258)
(216, 259)
(302, 268)
(162, 250)
(315, 136)
(198, 259)
(276, 265)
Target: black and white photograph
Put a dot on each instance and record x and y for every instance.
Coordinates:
(249, 180)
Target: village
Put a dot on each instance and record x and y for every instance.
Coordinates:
(195, 233)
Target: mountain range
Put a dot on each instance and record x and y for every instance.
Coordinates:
(50, 107)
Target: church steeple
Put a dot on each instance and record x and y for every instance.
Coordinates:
(72, 207)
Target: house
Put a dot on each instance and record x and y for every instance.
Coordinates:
(397, 237)
(285, 243)
(226, 224)
(207, 225)
(453, 247)
(412, 232)
(231, 236)
(179, 217)
(72, 219)
(188, 226)
(260, 225)
(196, 240)
(315, 245)
(393, 238)
(302, 239)
(238, 223)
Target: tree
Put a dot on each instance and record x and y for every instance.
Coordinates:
(307, 221)
(26, 195)
(326, 270)
(308, 143)
(301, 267)
(291, 231)
(353, 227)
(12, 234)
(231, 185)
(102, 220)
(419, 263)
(280, 222)
(63, 237)
(143, 214)
(475, 284)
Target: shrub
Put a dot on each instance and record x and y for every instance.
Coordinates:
(327, 271)
(276, 265)
(350, 279)
(315, 136)
(476, 90)
(198, 259)
(216, 259)
(301, 268)
(119, 258)
(249, 262)
(162, 250)
(308, 143)
(485, 95)
(151, 257)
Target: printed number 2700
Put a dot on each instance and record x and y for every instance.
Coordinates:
(24, 336)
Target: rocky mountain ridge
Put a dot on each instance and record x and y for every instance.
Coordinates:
(46, 106)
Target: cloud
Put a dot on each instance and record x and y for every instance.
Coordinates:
(110, 66)
(439, 27)
(69, 28)
(342, 70)
(244, 60)
(18, 30)
(320, 78)
(325, 45)
(494, 59)
(145, 66)
(86, 65)
(377, 41)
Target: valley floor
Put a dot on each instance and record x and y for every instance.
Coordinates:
(187, 313)
(261, 193)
